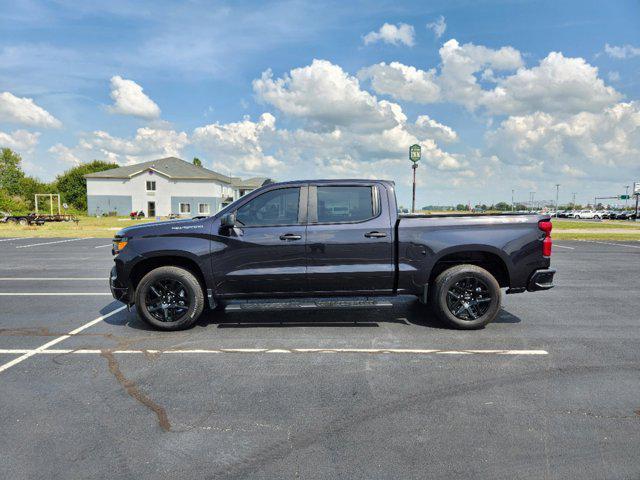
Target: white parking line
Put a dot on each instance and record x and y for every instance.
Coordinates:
(562, 246)
(51, 294)
(10, 239)
(51, 243)
(43, 279)
(614, 244)
(103, 246)
(367, 351)
(55, 341)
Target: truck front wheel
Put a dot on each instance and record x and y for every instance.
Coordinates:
(169, 298)
(466, 297)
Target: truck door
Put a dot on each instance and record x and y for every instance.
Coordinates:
(349, 239)
(265, 252)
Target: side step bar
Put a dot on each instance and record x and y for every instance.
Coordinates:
(304, 304)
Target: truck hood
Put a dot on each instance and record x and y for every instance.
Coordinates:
(167, 226)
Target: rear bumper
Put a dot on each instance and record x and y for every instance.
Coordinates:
(541, 280)
(119, 290)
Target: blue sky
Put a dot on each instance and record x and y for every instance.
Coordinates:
(502, 95)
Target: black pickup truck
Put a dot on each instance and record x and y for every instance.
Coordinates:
(329, 238)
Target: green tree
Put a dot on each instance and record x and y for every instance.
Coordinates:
(72, 185)
(12, 203)
(502, 206)
(29, 186)
(10, 171)
(197, 162)
(461, 207)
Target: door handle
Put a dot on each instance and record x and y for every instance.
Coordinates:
(290, 236)
(375, 234)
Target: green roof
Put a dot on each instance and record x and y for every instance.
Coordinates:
(172, 167)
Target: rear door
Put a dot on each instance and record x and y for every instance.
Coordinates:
(349, 239)
(265, 252)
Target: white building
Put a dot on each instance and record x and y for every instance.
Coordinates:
(162, 187)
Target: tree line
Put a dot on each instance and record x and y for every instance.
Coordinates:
(17, 189)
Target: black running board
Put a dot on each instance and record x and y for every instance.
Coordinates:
(304, 304)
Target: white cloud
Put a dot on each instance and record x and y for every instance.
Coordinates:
(622, 52)
(326, 97)
(65, 154)
(403, 82)
(438, 27)
(147, 144)
(129, 99)
(238, 145)
(344, 125)
(429, 128)
(613, 76)
(20, 140)
(556, 84)
(393, 34)
(599, 144)
(25, 111)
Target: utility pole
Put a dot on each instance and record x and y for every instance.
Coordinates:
(626, 192)
(513, 207)
(531, 194)
(557, 195)
(573, 204)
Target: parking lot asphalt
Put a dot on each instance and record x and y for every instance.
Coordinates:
(553, 393)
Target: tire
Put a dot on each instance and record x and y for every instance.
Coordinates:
(173, 286)
(12, 221)
(596, 217)
(577, 216)
(463, 281)
(23, 221)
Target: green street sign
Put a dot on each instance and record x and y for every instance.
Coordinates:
(624, 197)
(415, 153)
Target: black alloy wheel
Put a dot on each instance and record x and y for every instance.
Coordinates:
(167, 300)
(465, 296)
(468, 298)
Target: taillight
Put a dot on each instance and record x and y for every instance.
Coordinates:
(546, 226)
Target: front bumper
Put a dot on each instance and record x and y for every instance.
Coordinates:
(541, 280)
(119, 290)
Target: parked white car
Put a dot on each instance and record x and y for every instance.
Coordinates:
(588, 214)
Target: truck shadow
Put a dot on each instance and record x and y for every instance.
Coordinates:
(405, 313)
(402, 313)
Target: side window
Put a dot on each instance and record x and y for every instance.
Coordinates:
(276, 207)
(345, 204)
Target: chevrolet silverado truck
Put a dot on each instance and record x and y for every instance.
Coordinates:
(306, 241)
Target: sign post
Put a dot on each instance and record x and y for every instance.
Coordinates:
(415, 152)
(636, 192)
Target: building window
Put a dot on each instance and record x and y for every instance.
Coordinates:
(151, 186)
(185, 208)
(203, 208)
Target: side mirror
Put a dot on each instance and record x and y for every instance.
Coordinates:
(228, 220)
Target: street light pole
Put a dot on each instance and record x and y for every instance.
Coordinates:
(413, 197)
(512, 204)
(573, 204)
(557, 195)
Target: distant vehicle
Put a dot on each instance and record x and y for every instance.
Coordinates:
(588, 214)
(624, 215)
(289, 240)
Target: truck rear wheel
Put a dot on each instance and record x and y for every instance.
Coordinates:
(466, 297)
(169, 298)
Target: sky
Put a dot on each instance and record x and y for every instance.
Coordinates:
(500, 95)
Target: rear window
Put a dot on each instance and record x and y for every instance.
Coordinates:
(345, 204)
